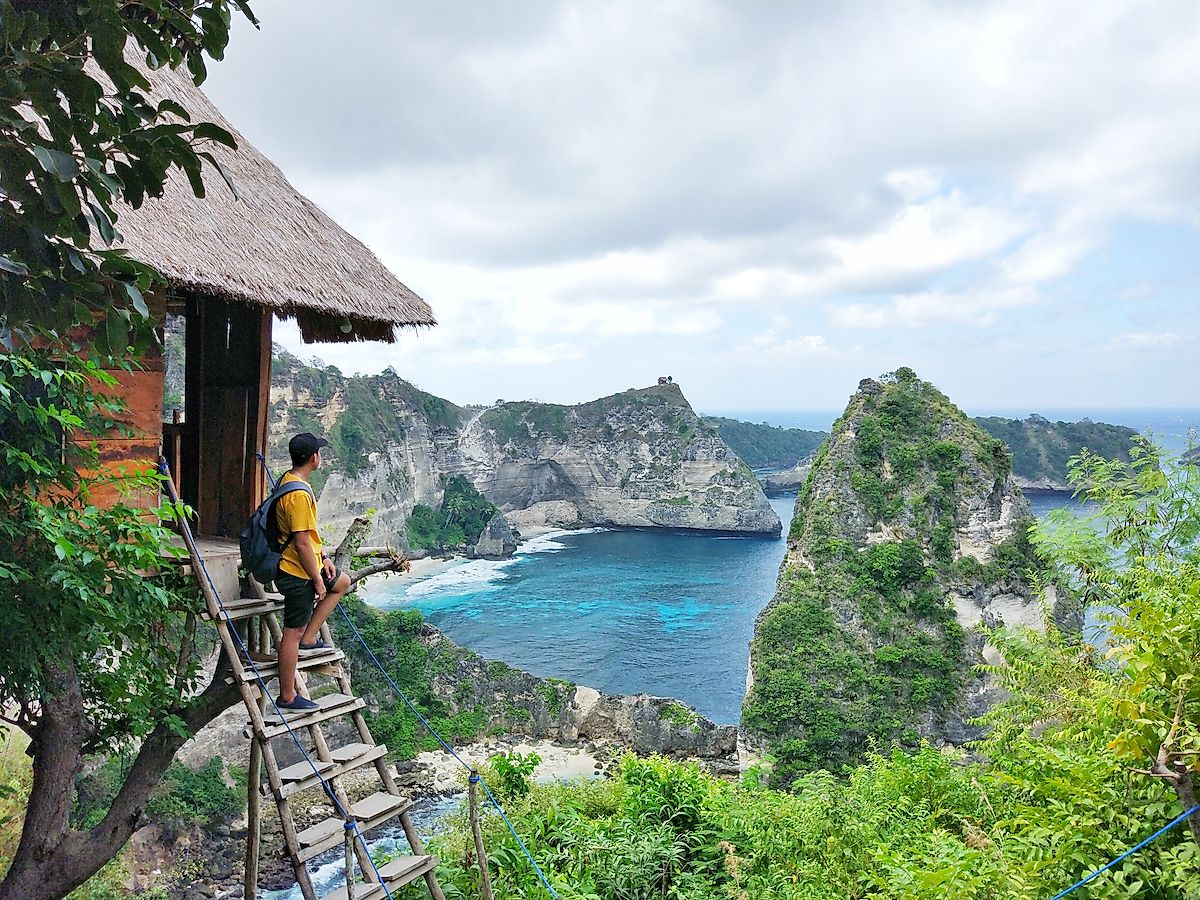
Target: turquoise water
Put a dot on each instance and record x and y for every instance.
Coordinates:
(622, 611)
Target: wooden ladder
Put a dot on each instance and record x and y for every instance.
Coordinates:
(256, 620)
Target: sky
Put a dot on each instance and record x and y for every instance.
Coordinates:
(768, 201)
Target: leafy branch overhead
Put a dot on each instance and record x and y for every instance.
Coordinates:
(81, 137)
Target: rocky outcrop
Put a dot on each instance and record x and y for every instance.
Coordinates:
(550, 708)
(909, 535)
(496, 541)
(788, 480)
(641, 458)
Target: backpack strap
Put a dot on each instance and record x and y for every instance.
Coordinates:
(283, 489)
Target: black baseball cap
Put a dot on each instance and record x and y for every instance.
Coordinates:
(306, 444)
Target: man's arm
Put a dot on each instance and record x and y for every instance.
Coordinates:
(309, 560)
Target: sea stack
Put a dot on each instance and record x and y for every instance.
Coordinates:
(909, 538)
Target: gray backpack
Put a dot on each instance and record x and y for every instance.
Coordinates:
(260, 538)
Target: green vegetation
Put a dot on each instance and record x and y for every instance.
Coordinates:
(526, 423)
(1042, 449)
(412, 665)
(1055, 790)
(375, 411)
(858, 650)
(767, 446)
(556, 692)
(464, 514)
(185, 796)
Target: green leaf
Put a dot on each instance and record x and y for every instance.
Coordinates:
(116, 331)
(207, 130)
(136, 298)
(229, 182)
(107, 232)
(61, 165)
(11, 265)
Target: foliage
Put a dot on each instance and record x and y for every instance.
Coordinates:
(81, 137)
(1042, 449)
(186, 796)
(76, 569)
(411, 664)
(514, 773)
(1138, 557)
(767, 446)
(464, 514)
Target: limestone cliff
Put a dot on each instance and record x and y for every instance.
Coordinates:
(641, 458)
(909, 534)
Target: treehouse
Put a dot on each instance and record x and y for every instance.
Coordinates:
(252, 249)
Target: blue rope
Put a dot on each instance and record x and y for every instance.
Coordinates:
(1128, 852)
(348, 820)
(473, 773)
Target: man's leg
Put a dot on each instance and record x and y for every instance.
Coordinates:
(288, 649)
(333, 595)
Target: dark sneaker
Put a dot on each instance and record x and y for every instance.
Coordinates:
(303, 704)
(317, 646)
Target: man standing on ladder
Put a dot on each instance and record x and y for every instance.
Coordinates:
(308, 579)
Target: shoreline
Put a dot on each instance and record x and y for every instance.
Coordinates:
(436, 772)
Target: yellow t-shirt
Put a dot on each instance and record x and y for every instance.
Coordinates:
(296, 511)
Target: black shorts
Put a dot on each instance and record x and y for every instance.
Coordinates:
(299, 596)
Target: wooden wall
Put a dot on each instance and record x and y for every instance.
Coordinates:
(137, 450)
(226, 396)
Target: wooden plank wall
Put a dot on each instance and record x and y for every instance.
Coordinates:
(137, 450)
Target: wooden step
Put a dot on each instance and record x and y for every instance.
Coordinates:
(329, 707)
(300, 777)
(269, 668)
(396, 874)
(304, 769)
(370, 812)
(246, 607)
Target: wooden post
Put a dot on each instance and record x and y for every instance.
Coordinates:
(349, 863)
(485, 877)
(253, 819)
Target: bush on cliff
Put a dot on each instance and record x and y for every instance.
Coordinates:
(461, 519)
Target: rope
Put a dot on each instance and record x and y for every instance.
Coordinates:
(1128, 852)
(474, 775)
(349, 822)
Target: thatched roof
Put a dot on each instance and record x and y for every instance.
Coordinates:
(269, 246)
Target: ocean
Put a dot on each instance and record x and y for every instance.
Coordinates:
(626, 611)
(669, 614)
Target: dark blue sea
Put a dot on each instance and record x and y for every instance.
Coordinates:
(641, 611)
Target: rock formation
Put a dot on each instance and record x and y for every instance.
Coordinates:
(641, 458)
(909, 534)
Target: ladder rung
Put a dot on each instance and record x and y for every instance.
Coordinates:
(308, 780)
(396, 874)
(302, 770)
(349, 752)
(250, 606)
(331, 705)
(268, 669)
(370, 812)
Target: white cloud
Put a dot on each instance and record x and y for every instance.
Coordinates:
(1146, 341)
(972, 308)
(582, 182)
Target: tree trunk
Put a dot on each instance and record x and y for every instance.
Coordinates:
(53, 860)
(1185, 790)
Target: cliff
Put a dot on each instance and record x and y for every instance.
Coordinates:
(909, 534)
(1041, 448)
(641, 458)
